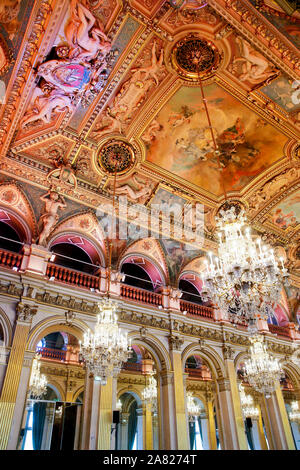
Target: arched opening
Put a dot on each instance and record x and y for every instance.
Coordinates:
(196, 367)
(73, 257)
(130, 436)
(77, 253)
(190, 293)
(9, 238)
(142, 273)
(251, 407)
(52, 420)
(202, 401)
(136, 276)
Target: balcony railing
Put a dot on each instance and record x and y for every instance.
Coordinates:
(141, 295)
(279, 330)
(132, 366)
(196, 310)
(10, 259)
(198, 373)
(70, 276)
(53, 354)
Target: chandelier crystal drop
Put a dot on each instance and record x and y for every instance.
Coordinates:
(149, 394)
(192, 408)
(249, 410)
(108, 347)
(38, 381)
(245, 279)
(261, 369)
(294, 414)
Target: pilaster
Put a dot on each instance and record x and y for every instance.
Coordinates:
(13, 371)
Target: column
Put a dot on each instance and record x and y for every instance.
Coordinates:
(279, 422)
(211, 424)
(13, 371)
(255, 434)
(124, 431)
(148, 428)
(205, 432)
(169, 434)
(261, 434)
(21, 400)
(106, 415)
(139, 428)
(155, 432)
(232, 417)
(90, 413)
(181, 420)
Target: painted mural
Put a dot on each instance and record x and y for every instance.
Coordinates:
(287, 213)
(178, 255)
(183, 143)
(281, 91)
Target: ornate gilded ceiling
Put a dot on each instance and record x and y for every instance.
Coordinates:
(83, 77)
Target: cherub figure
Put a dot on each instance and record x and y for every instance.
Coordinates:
(53, 202)
(140, 195)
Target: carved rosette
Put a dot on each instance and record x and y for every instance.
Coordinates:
(116, 156)
(194, 56)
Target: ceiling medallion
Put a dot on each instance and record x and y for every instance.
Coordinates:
(194, 56)
(116, 156)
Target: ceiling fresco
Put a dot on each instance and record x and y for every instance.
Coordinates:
(78, 78)
(184, 146)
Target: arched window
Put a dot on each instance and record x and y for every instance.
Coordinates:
(73, 257)
(9, 238)
(136, 276)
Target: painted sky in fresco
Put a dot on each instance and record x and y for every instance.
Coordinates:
(281, 91)
(184, 145)
(287, 213)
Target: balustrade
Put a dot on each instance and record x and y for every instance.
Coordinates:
(10, 259)
(141, 295)
(71, 276)
(196, 309)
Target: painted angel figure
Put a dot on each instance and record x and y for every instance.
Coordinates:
(53, 202)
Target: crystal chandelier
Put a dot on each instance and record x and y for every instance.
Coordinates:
(245, 279)
(294, 414)
(107, 348)
(192, 408)
(38, 381)
(261, 369)
(149, 394)
(248, 408)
